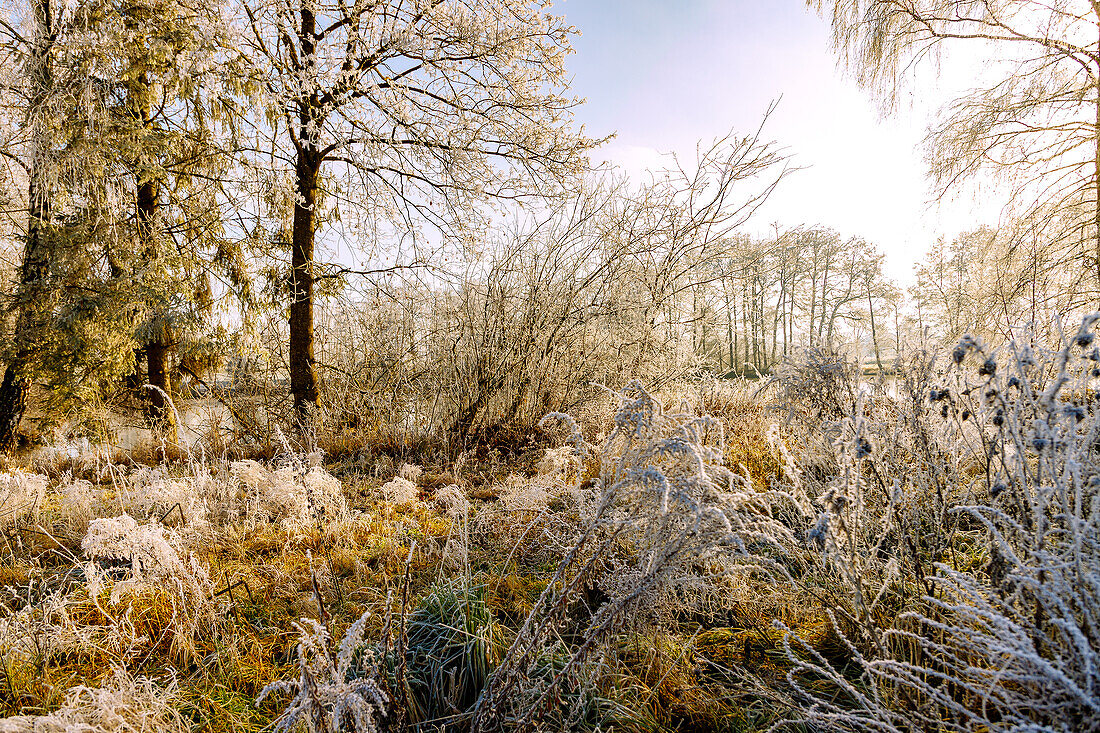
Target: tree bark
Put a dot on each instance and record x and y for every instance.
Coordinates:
(13, 403)
(303, 375)
(33, 273)
(158, 348)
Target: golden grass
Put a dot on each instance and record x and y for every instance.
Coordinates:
(266, 577)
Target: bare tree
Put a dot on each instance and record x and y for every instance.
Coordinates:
(603, 286)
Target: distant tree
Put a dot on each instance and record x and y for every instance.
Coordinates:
(404, 114)
(880, 294)
(991, 283)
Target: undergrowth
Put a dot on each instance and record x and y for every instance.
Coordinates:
(821, 553)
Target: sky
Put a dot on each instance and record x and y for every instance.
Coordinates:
(666, 74)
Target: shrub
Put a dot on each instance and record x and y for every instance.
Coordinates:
(337, 688)
(400, 491)
(667, 519)
(1004, 633)
(297, 494)
(20, 495)
(139, 558)
(451, 645)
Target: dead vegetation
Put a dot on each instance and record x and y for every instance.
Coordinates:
(711, 563)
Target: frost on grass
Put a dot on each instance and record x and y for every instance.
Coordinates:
(1001, 633)
(400, 491)
(337, 688)
(523, 495)
(53, 626)
(139, 555)
(124, 704)
(151, 492)
(297, 495)
(147, 549)
(668, 521)
(20, 494)
(452, 501)
(79, 499)
(134, 558)
(410, 472)
(562, 463)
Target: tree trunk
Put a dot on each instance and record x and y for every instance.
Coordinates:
(303, 376)
(777, 316)
(159, 383)
(746, 322)
(813, 303)
(874, 331)
(731, 339)
(13, 402)
(36, 262)
(1096, 180)
(157, 351)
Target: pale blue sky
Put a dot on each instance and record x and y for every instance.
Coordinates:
(666, 73)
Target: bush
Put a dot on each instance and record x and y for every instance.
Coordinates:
(450, 645)
(124, 703)
(964, 524)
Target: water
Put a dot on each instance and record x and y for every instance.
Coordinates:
(199, 420)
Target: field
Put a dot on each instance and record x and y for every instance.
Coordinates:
(810, 553)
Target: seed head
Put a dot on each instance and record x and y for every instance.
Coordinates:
(863, 447)
(1077, 413)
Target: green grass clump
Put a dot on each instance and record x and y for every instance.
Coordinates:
(451, 644)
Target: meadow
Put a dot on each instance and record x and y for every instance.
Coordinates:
(813, 552)
(354, 376)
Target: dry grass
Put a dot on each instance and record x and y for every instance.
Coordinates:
(717, 663)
